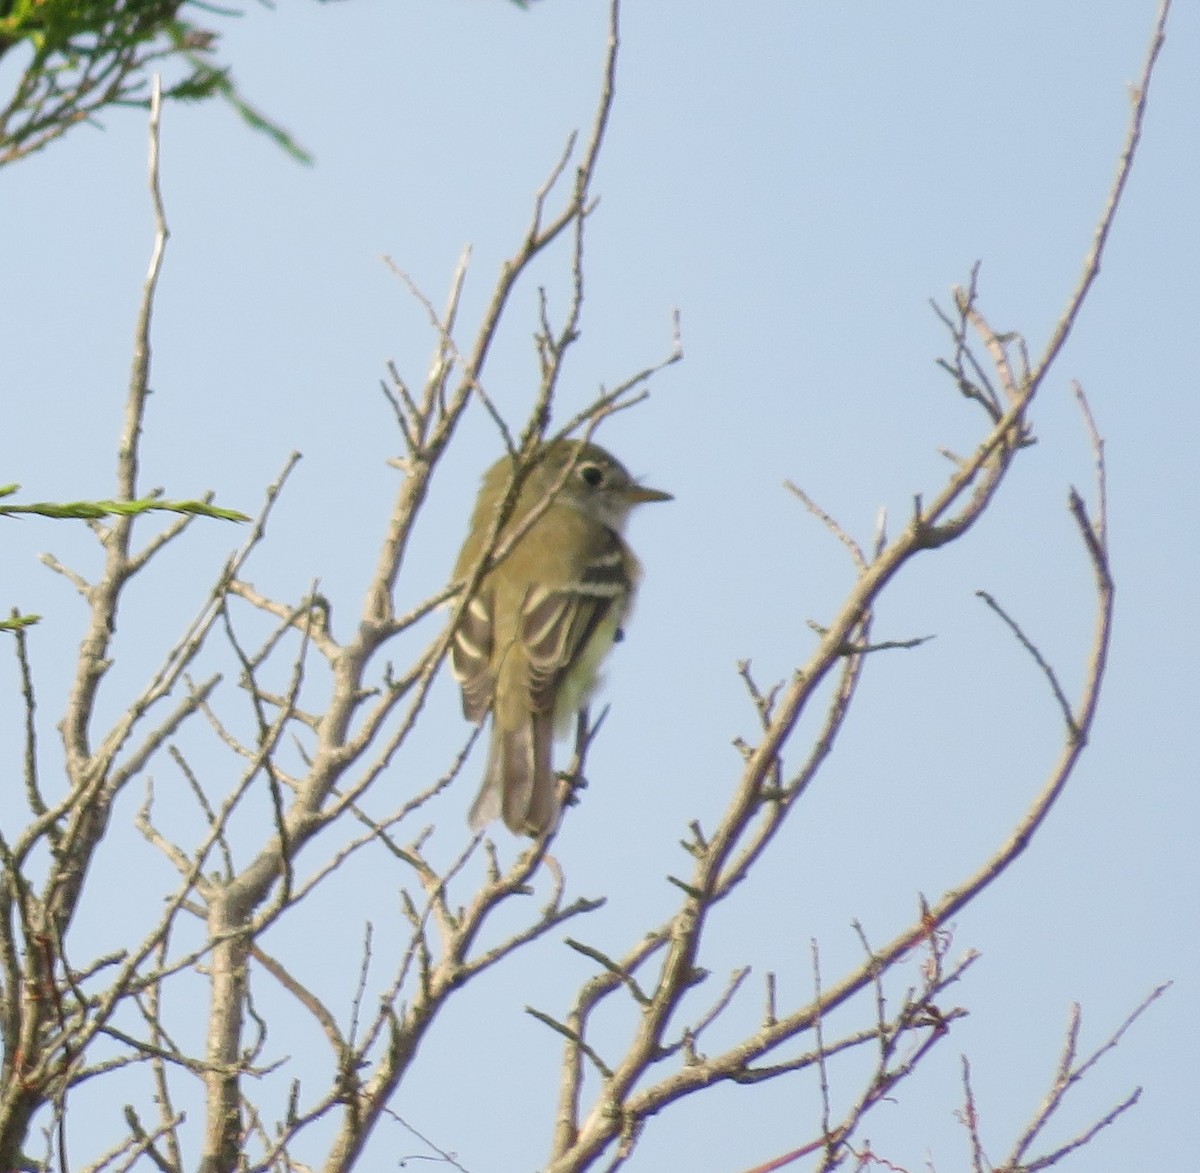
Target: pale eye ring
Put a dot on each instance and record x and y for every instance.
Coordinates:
(591, 474)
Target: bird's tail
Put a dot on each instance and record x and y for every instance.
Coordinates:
(518, 781)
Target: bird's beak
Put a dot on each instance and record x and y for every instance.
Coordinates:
(640, 495)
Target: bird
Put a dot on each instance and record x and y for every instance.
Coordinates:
(530, 641)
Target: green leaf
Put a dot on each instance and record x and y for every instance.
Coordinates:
(18, 622)
(91, 510)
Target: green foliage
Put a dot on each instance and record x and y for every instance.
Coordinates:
(17, 621)
(87, 55)
(92, 510)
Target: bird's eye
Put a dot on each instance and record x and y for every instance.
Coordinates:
(591, 474)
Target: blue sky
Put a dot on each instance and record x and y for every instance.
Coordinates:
(798, 179)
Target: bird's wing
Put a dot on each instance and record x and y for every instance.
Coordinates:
(471, 656)
(557, 622)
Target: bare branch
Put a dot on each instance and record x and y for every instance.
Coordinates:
(1139, 96)
(1039, 659)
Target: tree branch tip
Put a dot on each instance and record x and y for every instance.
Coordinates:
(686, 888)
(698, 845)
(849, 648)
(553, 1023)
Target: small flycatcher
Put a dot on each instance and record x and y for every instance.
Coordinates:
(530, 643)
